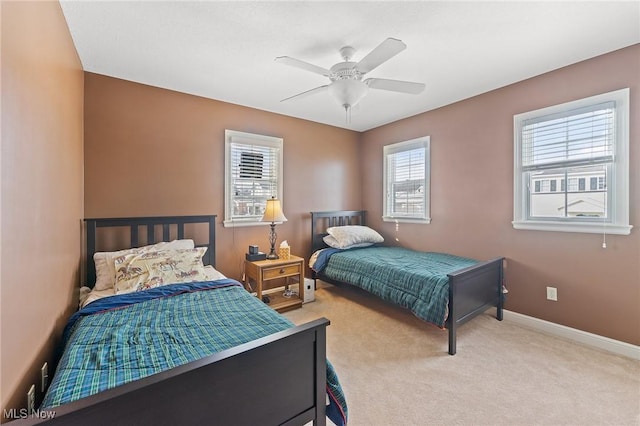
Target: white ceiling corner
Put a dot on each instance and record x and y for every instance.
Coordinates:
(226, 50)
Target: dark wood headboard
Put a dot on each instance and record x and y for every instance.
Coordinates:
(173, 227)
(320, 221)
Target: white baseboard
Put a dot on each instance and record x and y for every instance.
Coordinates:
(590, 339)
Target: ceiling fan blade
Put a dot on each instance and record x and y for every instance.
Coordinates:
(395, 85)
(302, 65)
(385, 51)
(307, 93)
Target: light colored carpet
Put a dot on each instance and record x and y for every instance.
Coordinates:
(395, 370)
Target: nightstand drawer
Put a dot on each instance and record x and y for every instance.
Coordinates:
(281, 271)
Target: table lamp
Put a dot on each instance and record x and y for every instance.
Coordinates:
(273, 213)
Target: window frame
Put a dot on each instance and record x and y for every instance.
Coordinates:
(421, 142)
(237, 137)
(617, 181)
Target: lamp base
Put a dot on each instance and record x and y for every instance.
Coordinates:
(272, 240)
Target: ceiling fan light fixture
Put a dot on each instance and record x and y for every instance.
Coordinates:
(348, 92)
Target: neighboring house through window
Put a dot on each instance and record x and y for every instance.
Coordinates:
(407, 181)
(584, 143)
(253, 174)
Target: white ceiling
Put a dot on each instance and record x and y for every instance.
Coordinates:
(226, 50)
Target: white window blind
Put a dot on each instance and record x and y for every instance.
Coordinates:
(406, 181)
(578, 137)
(253, 175)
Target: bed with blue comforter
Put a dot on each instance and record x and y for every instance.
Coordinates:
(443, 289)
(123, 338)
(414, 280)
(184, 345)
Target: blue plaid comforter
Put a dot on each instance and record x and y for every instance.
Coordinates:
(118, 339)
(414, 280)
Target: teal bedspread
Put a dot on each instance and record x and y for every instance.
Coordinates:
(123, 338)
(414, 280)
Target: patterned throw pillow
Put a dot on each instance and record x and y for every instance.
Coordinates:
(140, 271)
(105, 261)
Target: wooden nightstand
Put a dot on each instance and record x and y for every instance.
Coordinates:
(264, 275)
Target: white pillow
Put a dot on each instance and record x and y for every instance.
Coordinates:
(331, 241)
(105, 261)
(213, 274)
(350, 235)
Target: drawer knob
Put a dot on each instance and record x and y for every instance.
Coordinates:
(282, 270)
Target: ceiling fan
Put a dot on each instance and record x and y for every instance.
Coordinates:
(347, 85)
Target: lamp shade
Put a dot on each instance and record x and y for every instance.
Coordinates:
(273, 211)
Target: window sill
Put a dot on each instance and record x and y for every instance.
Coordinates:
(406, 220)
(238, 223)
(588, 228)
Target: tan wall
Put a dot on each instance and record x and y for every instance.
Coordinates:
(150, 151)
(42, 186)
(472, 200)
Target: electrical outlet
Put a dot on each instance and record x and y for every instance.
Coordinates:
(31, 399)
(552, 294)
(44, 377)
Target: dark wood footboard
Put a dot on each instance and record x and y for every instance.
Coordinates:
(472, 291)
(276, 380)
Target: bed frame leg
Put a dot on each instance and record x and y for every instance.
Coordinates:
(501, 291)
(452, 338)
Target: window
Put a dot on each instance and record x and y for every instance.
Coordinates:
(406, 181)
(584, 143)
(253, 174)
(573, 184)
(545, 185)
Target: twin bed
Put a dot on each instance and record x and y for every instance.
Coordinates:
(207, 352)
(197, 353)
(442, 289)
